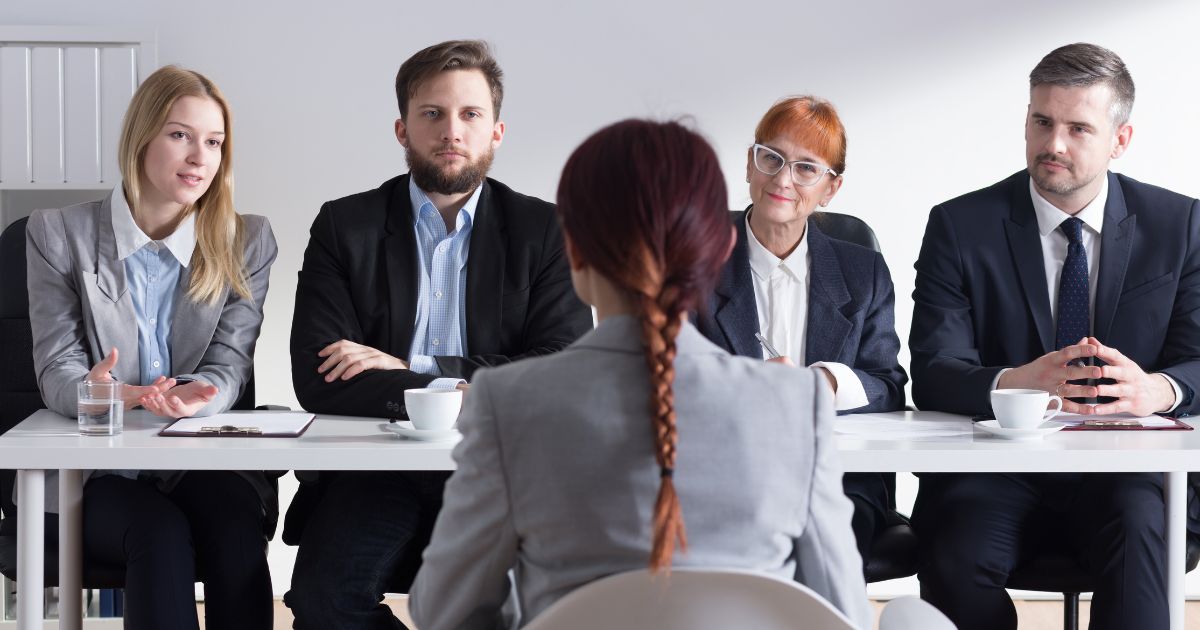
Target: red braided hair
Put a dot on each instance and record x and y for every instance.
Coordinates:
(644, 204)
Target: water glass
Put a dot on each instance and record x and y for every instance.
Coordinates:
(101, 410)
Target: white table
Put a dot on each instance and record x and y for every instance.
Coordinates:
(47, 441)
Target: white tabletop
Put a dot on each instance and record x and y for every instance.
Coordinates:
(47, 440)
(978, 451)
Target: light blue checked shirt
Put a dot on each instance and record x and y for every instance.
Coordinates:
(152, 270)
(442, 295)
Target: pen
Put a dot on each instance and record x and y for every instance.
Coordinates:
(774, 354)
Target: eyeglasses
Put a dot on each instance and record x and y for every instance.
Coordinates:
(770, 162)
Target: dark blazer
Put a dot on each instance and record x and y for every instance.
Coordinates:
(981, 301)
(359, 282)
(851, 313)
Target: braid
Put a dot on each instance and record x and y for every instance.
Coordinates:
(660, 318)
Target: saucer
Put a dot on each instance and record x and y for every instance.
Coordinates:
(405, 428)
(1032, 433)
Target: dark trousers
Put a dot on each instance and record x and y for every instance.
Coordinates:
(363, 539)
(975, 529)
(209, 525)
(871, 498)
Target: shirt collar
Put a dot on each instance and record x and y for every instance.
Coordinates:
(763, 262)
(130, 238)
(1049, 217)
(421, 203)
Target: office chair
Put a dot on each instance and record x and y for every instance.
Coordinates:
(894, 552)
(1049, 570)
(693, 597)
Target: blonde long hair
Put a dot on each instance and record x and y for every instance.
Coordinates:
(217, 262)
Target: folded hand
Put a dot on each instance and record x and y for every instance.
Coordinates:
(1051, 371)
(345, 359)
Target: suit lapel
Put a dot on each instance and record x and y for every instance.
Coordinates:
(1025, 245)
(113, 316)
(485, 275)
(1116, 246)
(192, 326)
(400, 258)
(827, 328)
(735, 310)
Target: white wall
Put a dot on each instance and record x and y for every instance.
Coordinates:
(933, 94)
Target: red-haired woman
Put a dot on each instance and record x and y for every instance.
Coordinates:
(590, 461)
(819, 301)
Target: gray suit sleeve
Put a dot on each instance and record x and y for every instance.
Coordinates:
(827, 559)
(60, 354)
(229, 359)
(463, 579)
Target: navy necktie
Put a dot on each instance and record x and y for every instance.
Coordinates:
(1073, 311)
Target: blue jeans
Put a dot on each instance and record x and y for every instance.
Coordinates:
(363, 539)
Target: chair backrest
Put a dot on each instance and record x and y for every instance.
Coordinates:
(845, 227)
(912, 613)
(691, 598)
(19, 396)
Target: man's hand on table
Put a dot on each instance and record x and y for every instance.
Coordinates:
(345, 359)
(1050, 373)
(1138, 393)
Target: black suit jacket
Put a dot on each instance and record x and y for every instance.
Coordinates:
(359, 282)
(851, 313)
(981, 301)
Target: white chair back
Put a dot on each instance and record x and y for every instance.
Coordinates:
(912, 613)
(691, 598)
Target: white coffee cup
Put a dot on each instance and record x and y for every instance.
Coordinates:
(432, 409)
(1023, 408)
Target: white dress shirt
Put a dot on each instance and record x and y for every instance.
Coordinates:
(1054, 253)
(781, 296)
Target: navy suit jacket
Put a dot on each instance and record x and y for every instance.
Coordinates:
(981, 301)
(851, 313)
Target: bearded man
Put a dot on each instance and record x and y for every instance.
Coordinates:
(417, 283)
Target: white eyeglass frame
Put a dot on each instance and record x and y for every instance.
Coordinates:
(754, 149)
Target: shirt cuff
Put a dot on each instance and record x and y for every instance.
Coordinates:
(996, 381)
(424, 364)
(445, 383)
(850, 393)
(1178, 393)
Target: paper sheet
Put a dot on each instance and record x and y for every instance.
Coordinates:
(897, 428)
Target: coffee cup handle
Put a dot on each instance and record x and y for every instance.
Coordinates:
(1056, 411)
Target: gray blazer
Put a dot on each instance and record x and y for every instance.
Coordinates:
(80, 307)
(557, 479)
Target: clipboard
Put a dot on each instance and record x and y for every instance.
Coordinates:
(1112, 424)
(286, 424)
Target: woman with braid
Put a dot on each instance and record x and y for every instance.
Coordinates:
(641, 444)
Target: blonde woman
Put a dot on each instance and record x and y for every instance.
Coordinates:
(161, 285)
